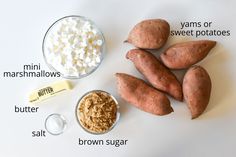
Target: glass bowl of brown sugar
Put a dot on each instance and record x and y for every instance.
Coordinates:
(97, 112)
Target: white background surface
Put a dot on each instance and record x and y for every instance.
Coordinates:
(23, 24)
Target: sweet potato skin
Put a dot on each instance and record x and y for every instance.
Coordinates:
(157, 74)
(184, 55)
(197, 90)
(141, 95)
(149, 34)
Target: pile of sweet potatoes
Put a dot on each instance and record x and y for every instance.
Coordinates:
(196, 86)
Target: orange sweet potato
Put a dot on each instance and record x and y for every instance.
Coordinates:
(149, 34)
(157, 74)
(184, 55)
(197, 90)
(142, 96)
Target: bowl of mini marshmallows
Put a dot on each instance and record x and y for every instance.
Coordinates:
(73, 46)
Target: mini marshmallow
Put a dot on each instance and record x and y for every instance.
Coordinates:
(73, 46)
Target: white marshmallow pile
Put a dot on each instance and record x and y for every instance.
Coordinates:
(73, 46)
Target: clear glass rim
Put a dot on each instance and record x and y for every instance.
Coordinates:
(102, 51)
(117, 112)
(63, 119)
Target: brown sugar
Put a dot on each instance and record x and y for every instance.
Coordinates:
(97, 112)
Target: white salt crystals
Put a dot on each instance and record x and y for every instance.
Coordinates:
(73, 46)
(55, 124)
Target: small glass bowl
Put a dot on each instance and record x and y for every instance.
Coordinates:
(117, 113)
(51, 67)
(55, 124)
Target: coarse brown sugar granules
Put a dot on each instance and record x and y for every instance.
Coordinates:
(97, 111)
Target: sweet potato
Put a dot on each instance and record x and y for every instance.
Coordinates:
(197, 90)
(149, 34)
(157, 74)
(184, 55)
(142, 96)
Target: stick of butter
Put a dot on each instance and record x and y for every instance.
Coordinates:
(48, 91)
